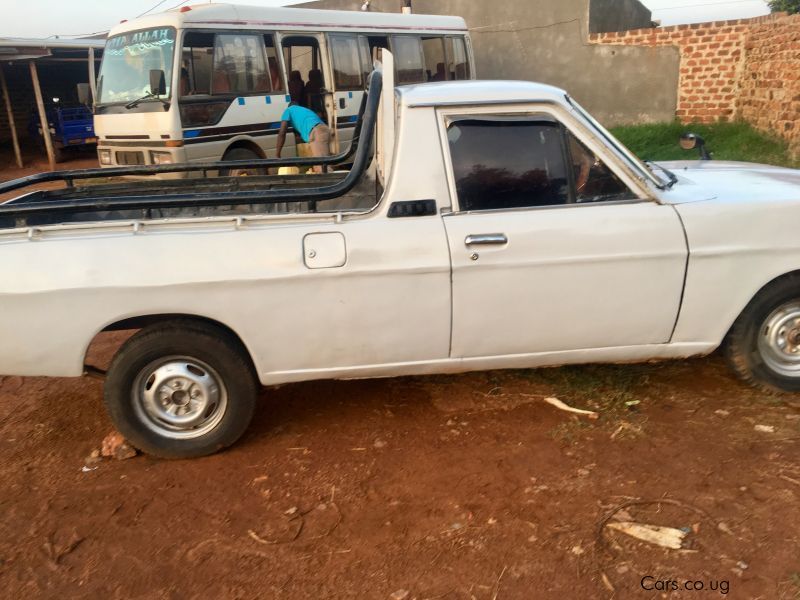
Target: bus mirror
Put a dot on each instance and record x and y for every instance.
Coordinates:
(158, 82)
(83, 93)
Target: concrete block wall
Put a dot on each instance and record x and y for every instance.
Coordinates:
(546, 41)
(742, 69)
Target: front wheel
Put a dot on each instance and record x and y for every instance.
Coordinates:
(763, 346)
(181, 390)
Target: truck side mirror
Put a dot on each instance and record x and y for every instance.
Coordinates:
(690, 141)
(158, 82)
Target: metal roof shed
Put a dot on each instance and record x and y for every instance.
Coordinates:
(35, 52)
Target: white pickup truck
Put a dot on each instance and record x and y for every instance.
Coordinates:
(482, 225)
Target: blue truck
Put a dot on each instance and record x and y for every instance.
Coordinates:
(69, 127)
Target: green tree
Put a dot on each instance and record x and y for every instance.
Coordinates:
(790, 6)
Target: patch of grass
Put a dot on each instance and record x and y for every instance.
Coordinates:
(605, 388)
(610, 390)
(725, 141)
(794, 578)
(569, 431)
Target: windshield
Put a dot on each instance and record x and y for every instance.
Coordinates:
(128, 59)
(632, 158)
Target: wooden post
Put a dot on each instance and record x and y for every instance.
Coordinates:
(43, 121)
(10, 111)
(92, 77)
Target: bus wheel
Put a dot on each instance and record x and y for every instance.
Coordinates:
(240, 154)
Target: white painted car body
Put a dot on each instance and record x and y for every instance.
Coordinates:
(357, 294)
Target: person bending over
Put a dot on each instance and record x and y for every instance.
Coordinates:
(309, 127)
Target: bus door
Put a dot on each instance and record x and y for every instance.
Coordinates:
(309, 81)
(351, 63)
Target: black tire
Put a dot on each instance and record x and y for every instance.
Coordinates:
(240, 154)
(204, 348)
(747, 357)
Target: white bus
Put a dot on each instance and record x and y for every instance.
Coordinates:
(223, 75)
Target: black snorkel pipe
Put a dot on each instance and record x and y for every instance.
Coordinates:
(360, 149)
(71, 176)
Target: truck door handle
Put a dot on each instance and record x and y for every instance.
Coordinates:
(486, 239)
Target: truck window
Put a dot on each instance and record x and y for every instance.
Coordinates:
(457, 58)
(408, 59)
(435, 59)
(240, 65)
(594, 181)
(508, 163)
(347, 71)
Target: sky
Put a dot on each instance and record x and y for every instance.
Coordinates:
(43, 18)
(672, 12)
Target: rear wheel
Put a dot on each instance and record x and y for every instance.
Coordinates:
(763, 346)
(240, 154)
(181, 390)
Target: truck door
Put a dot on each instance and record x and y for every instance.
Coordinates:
(550, 250)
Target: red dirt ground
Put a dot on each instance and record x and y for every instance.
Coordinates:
(451, 487)
(34, 162)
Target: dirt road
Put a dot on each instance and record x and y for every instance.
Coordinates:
(442, 487)
(35, 163)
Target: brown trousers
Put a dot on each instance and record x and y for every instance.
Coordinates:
(319, 140)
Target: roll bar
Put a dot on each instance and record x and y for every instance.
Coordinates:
(70, 176)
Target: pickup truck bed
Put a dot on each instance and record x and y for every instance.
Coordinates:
(361, 197)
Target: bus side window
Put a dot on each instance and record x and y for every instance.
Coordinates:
(435, 59)
(408, 60)
(372, 51)
(457, 56)
(347, 71)
(276, 77)
(198, 51)
(240, 65)
(366, 58)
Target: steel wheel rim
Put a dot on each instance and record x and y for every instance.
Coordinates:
(179, 397)
(779, 340)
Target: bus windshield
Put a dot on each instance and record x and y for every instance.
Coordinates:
(127, 61)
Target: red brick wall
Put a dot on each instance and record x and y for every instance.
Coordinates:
(746, 68)
(769, 89)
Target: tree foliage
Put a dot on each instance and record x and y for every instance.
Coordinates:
(790, 6)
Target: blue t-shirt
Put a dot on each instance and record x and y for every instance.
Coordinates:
(302, 120)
